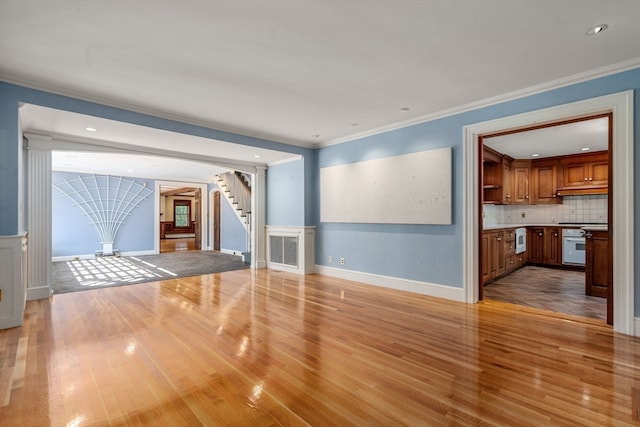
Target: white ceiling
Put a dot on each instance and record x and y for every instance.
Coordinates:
(571, 138)
(310, 72)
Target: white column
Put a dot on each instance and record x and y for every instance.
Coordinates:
(259, 219)
(39, 220)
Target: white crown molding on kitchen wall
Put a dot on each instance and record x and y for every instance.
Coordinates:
(109, 102)
(510, 96)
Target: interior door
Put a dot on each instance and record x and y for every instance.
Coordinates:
(216, 221)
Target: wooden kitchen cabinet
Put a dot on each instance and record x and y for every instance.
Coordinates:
(506, 180)
(535, 244)
(545, 245)
(496, 249)
(585, 174)
(513, 261)
(520, 186)
(552, 246)
(597, 264)
(493, 255)
(496, 177)
(544, 178)
(498, 254)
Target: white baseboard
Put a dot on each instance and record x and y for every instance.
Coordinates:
(139, 253)
(231, 252)
(38, 292)
(424, 288)
(636, 327)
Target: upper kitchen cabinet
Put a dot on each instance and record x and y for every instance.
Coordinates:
(585, 174)
(521, 169)
(544, 174)
(493, 177)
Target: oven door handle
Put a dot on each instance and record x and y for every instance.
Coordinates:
(574, 239)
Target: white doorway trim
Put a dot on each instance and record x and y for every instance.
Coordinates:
(621, 105)
(204, 206)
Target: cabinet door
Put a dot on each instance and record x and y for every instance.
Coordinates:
(599, 173)
(486, 256)
(574, 175)
(535, 242)
(520, 185)
(597, 264)
(553, 246)
(506, 182)
(497, 253)
(545, 185)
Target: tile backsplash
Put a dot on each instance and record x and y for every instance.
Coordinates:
(583, 209)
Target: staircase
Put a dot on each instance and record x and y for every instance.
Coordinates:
(236, 187)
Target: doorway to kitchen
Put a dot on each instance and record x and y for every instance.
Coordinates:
(549, 183)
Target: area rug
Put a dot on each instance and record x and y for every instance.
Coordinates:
(100, 272)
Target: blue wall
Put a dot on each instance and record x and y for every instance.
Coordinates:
(12, 95)
(73, 234)
(434, 253)
(284, 189)
(233, 235)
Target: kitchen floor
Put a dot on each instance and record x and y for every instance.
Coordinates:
(552, 289)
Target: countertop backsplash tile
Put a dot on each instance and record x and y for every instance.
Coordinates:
(579, 209)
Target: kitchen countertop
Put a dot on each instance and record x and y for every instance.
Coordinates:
(595, 228)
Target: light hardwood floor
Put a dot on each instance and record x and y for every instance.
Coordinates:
(174, 245)
(266, 348)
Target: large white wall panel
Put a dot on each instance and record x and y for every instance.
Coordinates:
(407, 189)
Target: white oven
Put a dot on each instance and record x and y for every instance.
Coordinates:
(573, 247)
(521, 240)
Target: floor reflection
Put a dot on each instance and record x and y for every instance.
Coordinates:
(105, 271)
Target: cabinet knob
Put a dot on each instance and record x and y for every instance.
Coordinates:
(498, 238)
(588, 235)
(553, 195)
(555, 234)
(590, 179)
(526, 197)
(586, 179)
(539, 234)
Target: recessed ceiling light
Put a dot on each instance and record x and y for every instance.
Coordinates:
(256, 156)
(535, 155)
(354, 125)
(90, 129)
(405, 109)
(596, 29)
(585, 149)
(130, 171)
(317, 135)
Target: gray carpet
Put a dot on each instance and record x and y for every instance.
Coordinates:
(100, 272)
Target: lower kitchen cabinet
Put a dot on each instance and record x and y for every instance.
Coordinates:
(535, 244)
(598, 263)
(498, 254)
(544, 245)
(552, 246)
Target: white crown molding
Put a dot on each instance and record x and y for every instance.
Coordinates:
(510, 96)
(109, 102)
(289, 160)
